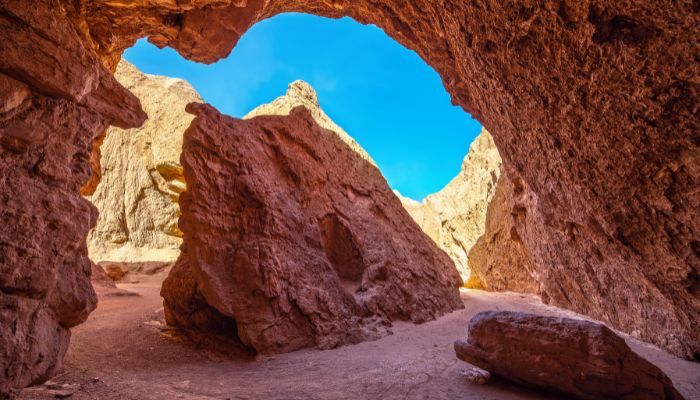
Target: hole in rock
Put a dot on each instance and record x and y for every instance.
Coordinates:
(342, 252)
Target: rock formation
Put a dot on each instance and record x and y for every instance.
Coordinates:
(293, 240)
(455, 216)
(593, 105)
(499, 259)
(140, 173)
(578, 358)
(141, 176)
(300, 93)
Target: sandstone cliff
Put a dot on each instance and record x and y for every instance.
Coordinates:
(293, 240)
(141, 176)
(455, 216)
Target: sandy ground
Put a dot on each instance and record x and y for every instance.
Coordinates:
(124, 352)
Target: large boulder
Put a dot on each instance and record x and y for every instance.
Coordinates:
(578, 358)
(141, 176)
(455, 216)
(293, 240)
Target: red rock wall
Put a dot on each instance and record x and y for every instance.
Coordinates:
(593, 103)
(56, 99)
(295, 239)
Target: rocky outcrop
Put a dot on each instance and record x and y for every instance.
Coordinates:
(499, 260)
(141, 175)
(300, 93)
(578, 358)
(455, 216)
(293, 240)
(592, 104)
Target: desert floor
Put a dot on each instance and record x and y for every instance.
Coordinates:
(124, 351)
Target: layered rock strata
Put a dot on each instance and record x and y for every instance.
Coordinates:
(293, 240)
(592, 104)
(455, 216)
(141, 176)
(581, 359)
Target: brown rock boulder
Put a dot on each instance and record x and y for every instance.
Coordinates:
(293, 240)
(579, 358)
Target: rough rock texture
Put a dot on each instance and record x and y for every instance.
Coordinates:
(50, 116)
(300, 93)
(455, 216)
(295, 239)
(499, 259)
(141, 175)
(593, 104)
(578, 358)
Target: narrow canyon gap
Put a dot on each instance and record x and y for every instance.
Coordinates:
(592, 105)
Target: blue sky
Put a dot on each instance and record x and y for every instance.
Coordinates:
(382, 94)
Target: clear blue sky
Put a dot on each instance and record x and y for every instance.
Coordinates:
(382, 94)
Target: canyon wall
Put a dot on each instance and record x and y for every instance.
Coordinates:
(141, 176)
(499, 259)
(56, 100)
(455, 216)
(593, 105)
(292, 239)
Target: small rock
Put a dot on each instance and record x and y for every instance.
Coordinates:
(476, 375)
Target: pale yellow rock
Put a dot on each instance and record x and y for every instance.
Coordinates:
(455, 216)
(300, 93)
(141, 174)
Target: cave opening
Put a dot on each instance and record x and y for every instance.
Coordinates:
(356, 70)
(556, 82)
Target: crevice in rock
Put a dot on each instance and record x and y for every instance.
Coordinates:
(342, 251)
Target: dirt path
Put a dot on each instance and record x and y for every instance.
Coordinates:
(122, 352)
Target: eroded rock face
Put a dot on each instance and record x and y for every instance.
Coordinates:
(141, 176)
(592, 104)
(499, 260)
(295, 239)
(56, 99)
(578, 358)
(455, 216)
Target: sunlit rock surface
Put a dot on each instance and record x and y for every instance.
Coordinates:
(300, 93)
(293, 240)
(141, 176)
(455, 216)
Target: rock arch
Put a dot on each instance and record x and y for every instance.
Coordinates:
(593, 105)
